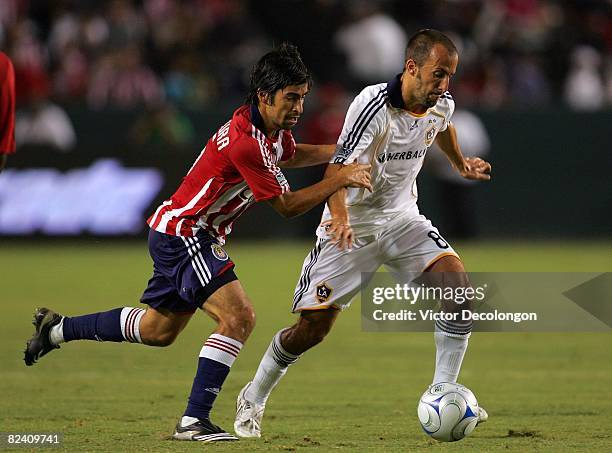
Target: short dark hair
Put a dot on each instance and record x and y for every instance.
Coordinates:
(276, 70)
(420, 44)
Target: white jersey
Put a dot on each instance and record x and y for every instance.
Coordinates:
(379, 131)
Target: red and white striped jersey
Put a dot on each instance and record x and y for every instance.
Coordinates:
(236, 168)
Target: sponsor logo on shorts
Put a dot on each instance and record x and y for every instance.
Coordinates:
(218, 252)
(323, 292)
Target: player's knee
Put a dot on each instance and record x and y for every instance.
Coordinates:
(241, 321)
(314, 327)
(449, 263)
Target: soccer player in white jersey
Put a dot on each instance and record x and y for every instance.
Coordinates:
(390, 126)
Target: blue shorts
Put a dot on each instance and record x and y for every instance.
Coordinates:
(186, 271)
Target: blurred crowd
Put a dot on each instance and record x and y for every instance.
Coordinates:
(124, 53)
(193, 54)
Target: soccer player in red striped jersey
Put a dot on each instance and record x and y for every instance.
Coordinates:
(7, 109)
(239, 166)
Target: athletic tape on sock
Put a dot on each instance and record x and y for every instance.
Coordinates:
(130, 324)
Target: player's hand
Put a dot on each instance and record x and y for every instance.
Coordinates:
(356, 175)
(476, 168)
(339, 232)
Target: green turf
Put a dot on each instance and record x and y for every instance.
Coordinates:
(355, 392)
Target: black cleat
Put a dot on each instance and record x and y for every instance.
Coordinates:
(202, 431)
(39, 344)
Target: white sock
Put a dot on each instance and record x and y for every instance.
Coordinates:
(56, 333)
(450, 350)
(186, 420)
(272, 368)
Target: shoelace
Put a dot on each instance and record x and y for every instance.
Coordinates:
(250, 413)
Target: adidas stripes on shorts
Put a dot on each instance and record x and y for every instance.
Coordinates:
(332, 277)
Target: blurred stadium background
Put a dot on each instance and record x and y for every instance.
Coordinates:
(117, 98)
(107, 87)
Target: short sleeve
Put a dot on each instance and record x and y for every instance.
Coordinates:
(363, 123)
(447, 104)
(253, 160)
(288, 144)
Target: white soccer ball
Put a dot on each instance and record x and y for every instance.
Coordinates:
(448, 411)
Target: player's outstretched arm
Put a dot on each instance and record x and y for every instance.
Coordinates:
(469, 168)
(309, 155)
(291, 204)
(338, 227)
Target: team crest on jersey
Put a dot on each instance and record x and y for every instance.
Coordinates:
(429, 135)
(218, 252)
(323, 292)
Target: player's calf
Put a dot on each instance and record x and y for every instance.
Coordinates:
(310, 330)
(451, 336)
(134, 325)
(284, 350)
(235, 318)
(119, 324)
(160, 327)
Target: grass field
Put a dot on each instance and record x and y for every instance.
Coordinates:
(355, 392)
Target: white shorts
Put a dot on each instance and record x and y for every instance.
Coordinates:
(332, 277)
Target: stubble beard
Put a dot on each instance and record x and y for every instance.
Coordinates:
(421, 96)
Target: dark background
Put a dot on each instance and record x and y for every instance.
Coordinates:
(538, 74)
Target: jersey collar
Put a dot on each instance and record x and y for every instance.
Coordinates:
(257, 120)
(394, 91)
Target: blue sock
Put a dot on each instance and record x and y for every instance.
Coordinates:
(119, 324)
(216, 358)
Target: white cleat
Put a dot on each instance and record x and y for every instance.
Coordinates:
(483, 416)
(248, 416)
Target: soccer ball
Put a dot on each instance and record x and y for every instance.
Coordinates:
(448, 411)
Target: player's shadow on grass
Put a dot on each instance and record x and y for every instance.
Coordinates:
(514, 434)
